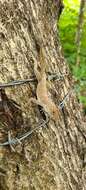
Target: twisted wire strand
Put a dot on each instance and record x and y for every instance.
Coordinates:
(16, 140)
(52, 76)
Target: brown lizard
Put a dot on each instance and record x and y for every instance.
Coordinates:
(43, 98)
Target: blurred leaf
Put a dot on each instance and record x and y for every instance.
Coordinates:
(67, 28)
(83, 99)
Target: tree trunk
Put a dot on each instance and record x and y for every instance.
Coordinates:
(52, 158)
(80, 29)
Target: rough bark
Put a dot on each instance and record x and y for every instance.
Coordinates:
(53, 157)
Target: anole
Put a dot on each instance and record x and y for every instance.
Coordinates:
(43, 98)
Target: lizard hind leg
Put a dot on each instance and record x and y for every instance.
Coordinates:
(35, 101)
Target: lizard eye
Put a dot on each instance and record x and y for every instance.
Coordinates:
(53, 111)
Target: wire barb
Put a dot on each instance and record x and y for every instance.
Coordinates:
(61, 105)
(9, 140)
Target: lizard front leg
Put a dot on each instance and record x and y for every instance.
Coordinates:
(35, 101)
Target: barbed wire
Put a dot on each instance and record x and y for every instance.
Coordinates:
(61, 105)
(13, 141)
(17, 82)
(51, 76)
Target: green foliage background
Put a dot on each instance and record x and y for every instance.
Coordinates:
(68, 28)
